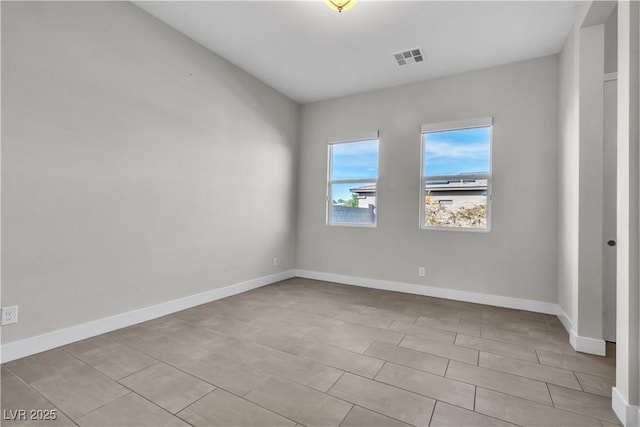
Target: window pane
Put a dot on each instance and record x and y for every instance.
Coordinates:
(455, 209)
(353, 203)
(354, 160)
(454, 152)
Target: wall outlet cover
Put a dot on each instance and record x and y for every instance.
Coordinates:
(9, 315)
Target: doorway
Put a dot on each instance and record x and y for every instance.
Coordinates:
(609, 206)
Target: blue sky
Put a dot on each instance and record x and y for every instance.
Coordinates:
(446, 153)
(457, 151)
(356, 160)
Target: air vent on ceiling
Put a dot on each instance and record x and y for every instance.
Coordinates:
(406, 57)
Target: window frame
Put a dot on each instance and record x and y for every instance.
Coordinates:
(347, 139)
(483, 122)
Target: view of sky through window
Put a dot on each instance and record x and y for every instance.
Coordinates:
(455, 152)
(356, 160)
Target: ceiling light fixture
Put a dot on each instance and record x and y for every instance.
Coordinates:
(340, 5)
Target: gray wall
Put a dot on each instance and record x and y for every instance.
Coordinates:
(137, 167)
(611, 42)
(518, 258)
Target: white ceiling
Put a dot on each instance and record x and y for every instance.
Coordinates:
(309, 52)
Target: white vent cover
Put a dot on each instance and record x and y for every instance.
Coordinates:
(406, 57)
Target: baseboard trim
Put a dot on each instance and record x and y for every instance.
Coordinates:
(579, 343)
(32, 345)
(587, 345)
(629, 415)
(453, 294)
(564, 319)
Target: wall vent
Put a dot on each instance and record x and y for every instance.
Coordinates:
(406, 57)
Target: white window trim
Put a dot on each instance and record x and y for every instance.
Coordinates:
(345, 139)
(449, 126)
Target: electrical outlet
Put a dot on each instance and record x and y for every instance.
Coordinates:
(421, 271)
(9, 315)
(275, 261)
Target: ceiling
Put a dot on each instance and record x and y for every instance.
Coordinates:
(309, 52)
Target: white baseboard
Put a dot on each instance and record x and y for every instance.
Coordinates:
(453, 294)
(587, 345)
(629, 415)
(32, 345)
(579, 343)
(564, 319)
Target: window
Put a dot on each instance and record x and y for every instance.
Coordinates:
(456, 175)
(353, 181)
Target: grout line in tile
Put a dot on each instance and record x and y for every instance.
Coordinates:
(446, 369)
(475, 394)
(578, 379)
(550, 395)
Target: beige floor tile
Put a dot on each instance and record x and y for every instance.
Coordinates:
(116, 360)
(43, 365)
(606, 424)
(435, 312)
(89, 344)
(531, 370)
(437, 348)
(242, 351)
(170, 350)
(375, 321)
(247, 311)
(221, 372)
(392, 314)
(430, 385)
(299, 403)
(583, 403)
(577, 362)
(526, 340)
(133, 336)
(340, 338)
(507, 324)
(291, 328)
(527, 413)
(303, 371)
(322, 309)
(130, 410)
(18, 400)
(168, 325)
(5, 374)
(79, 391)
(345, 360)
(301, 335)
(596, 385)
(431, 333)
(167, 387)
(372, 333)
(194, 315)
(391, 401)
(452, 326)
(559, 335)
(500, 381)
(189, 333)
(223, 409)
(228, 327)
(281, 341)
(411, 358)
(360, 417)
(497, 347)
(305, 318)
(446, 415)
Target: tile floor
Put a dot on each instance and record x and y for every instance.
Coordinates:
(303, 352)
